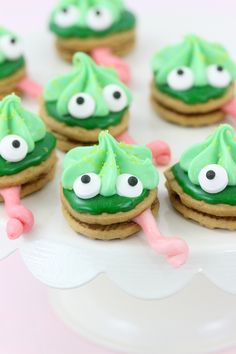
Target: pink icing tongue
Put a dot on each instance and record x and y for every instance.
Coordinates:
(230, 108)
(161, 152)
(174, 249)
(30, 87)
(104, 57)
(21, 219)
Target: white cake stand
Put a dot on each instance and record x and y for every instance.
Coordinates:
(184, 308)
(139, 304)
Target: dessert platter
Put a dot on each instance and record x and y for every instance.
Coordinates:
(137, 203)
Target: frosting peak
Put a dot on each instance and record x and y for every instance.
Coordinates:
(15, 120)
(195, 53)
(109, 159)
(85, 78)
(219, 148)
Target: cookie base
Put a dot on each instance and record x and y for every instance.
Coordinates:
(120, 43)
(8, 85)
(178, 112)
(210, 216)
(108, 226)
(32, 179)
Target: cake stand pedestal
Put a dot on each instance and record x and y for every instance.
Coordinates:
(200, 319)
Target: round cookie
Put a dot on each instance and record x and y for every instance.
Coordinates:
(79, 105)
(105, 187)
(202, 185)
(85, 25)
(12, 63)
(192, 82)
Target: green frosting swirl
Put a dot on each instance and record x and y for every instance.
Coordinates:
(14, 119)
(8, 67)
(219, 148)
(196, 54)
(86, 77)
(109, 159)
(121, 19)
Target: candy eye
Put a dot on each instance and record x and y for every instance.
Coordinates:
(99, 18)
(13, 148)
(11, 47)
(115, 97)
(213, 179)
(181, 79)
(218, 76)
(81, 106)
(67, 16)
(129, 186)
(87, 186)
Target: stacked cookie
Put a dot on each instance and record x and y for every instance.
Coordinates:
(12, 62)
(104, 187)
(192, 82)
(84, 25)
(77, 106)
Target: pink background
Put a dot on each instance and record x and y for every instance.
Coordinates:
(27, 323)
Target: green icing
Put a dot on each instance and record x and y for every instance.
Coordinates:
(8, 68)
(14, 119)
(219, 148)
(41, 152)
(110, 159)
(94, 122)
(126, 22)
(197, 94)
(100, 204)
(86, 77)
(227, 196)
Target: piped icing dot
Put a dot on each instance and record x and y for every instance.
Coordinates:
(196, 54)
(123, 169)
(213, 159)
(97, 89)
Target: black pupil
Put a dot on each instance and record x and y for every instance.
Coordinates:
(210, 175)
(98, 12)
(80, 100)
(117, 95)
(13, 40)
(220, 68)
(180, 72)
(133, 181)
(85, 179)
(16, 144)
(65, 10)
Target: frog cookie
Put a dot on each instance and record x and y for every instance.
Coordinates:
(13, 75)
(193, 82)
(202, 186)
(27, 161)
(85, 25)
(12, 62)
(109, 191)
(77, 106)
